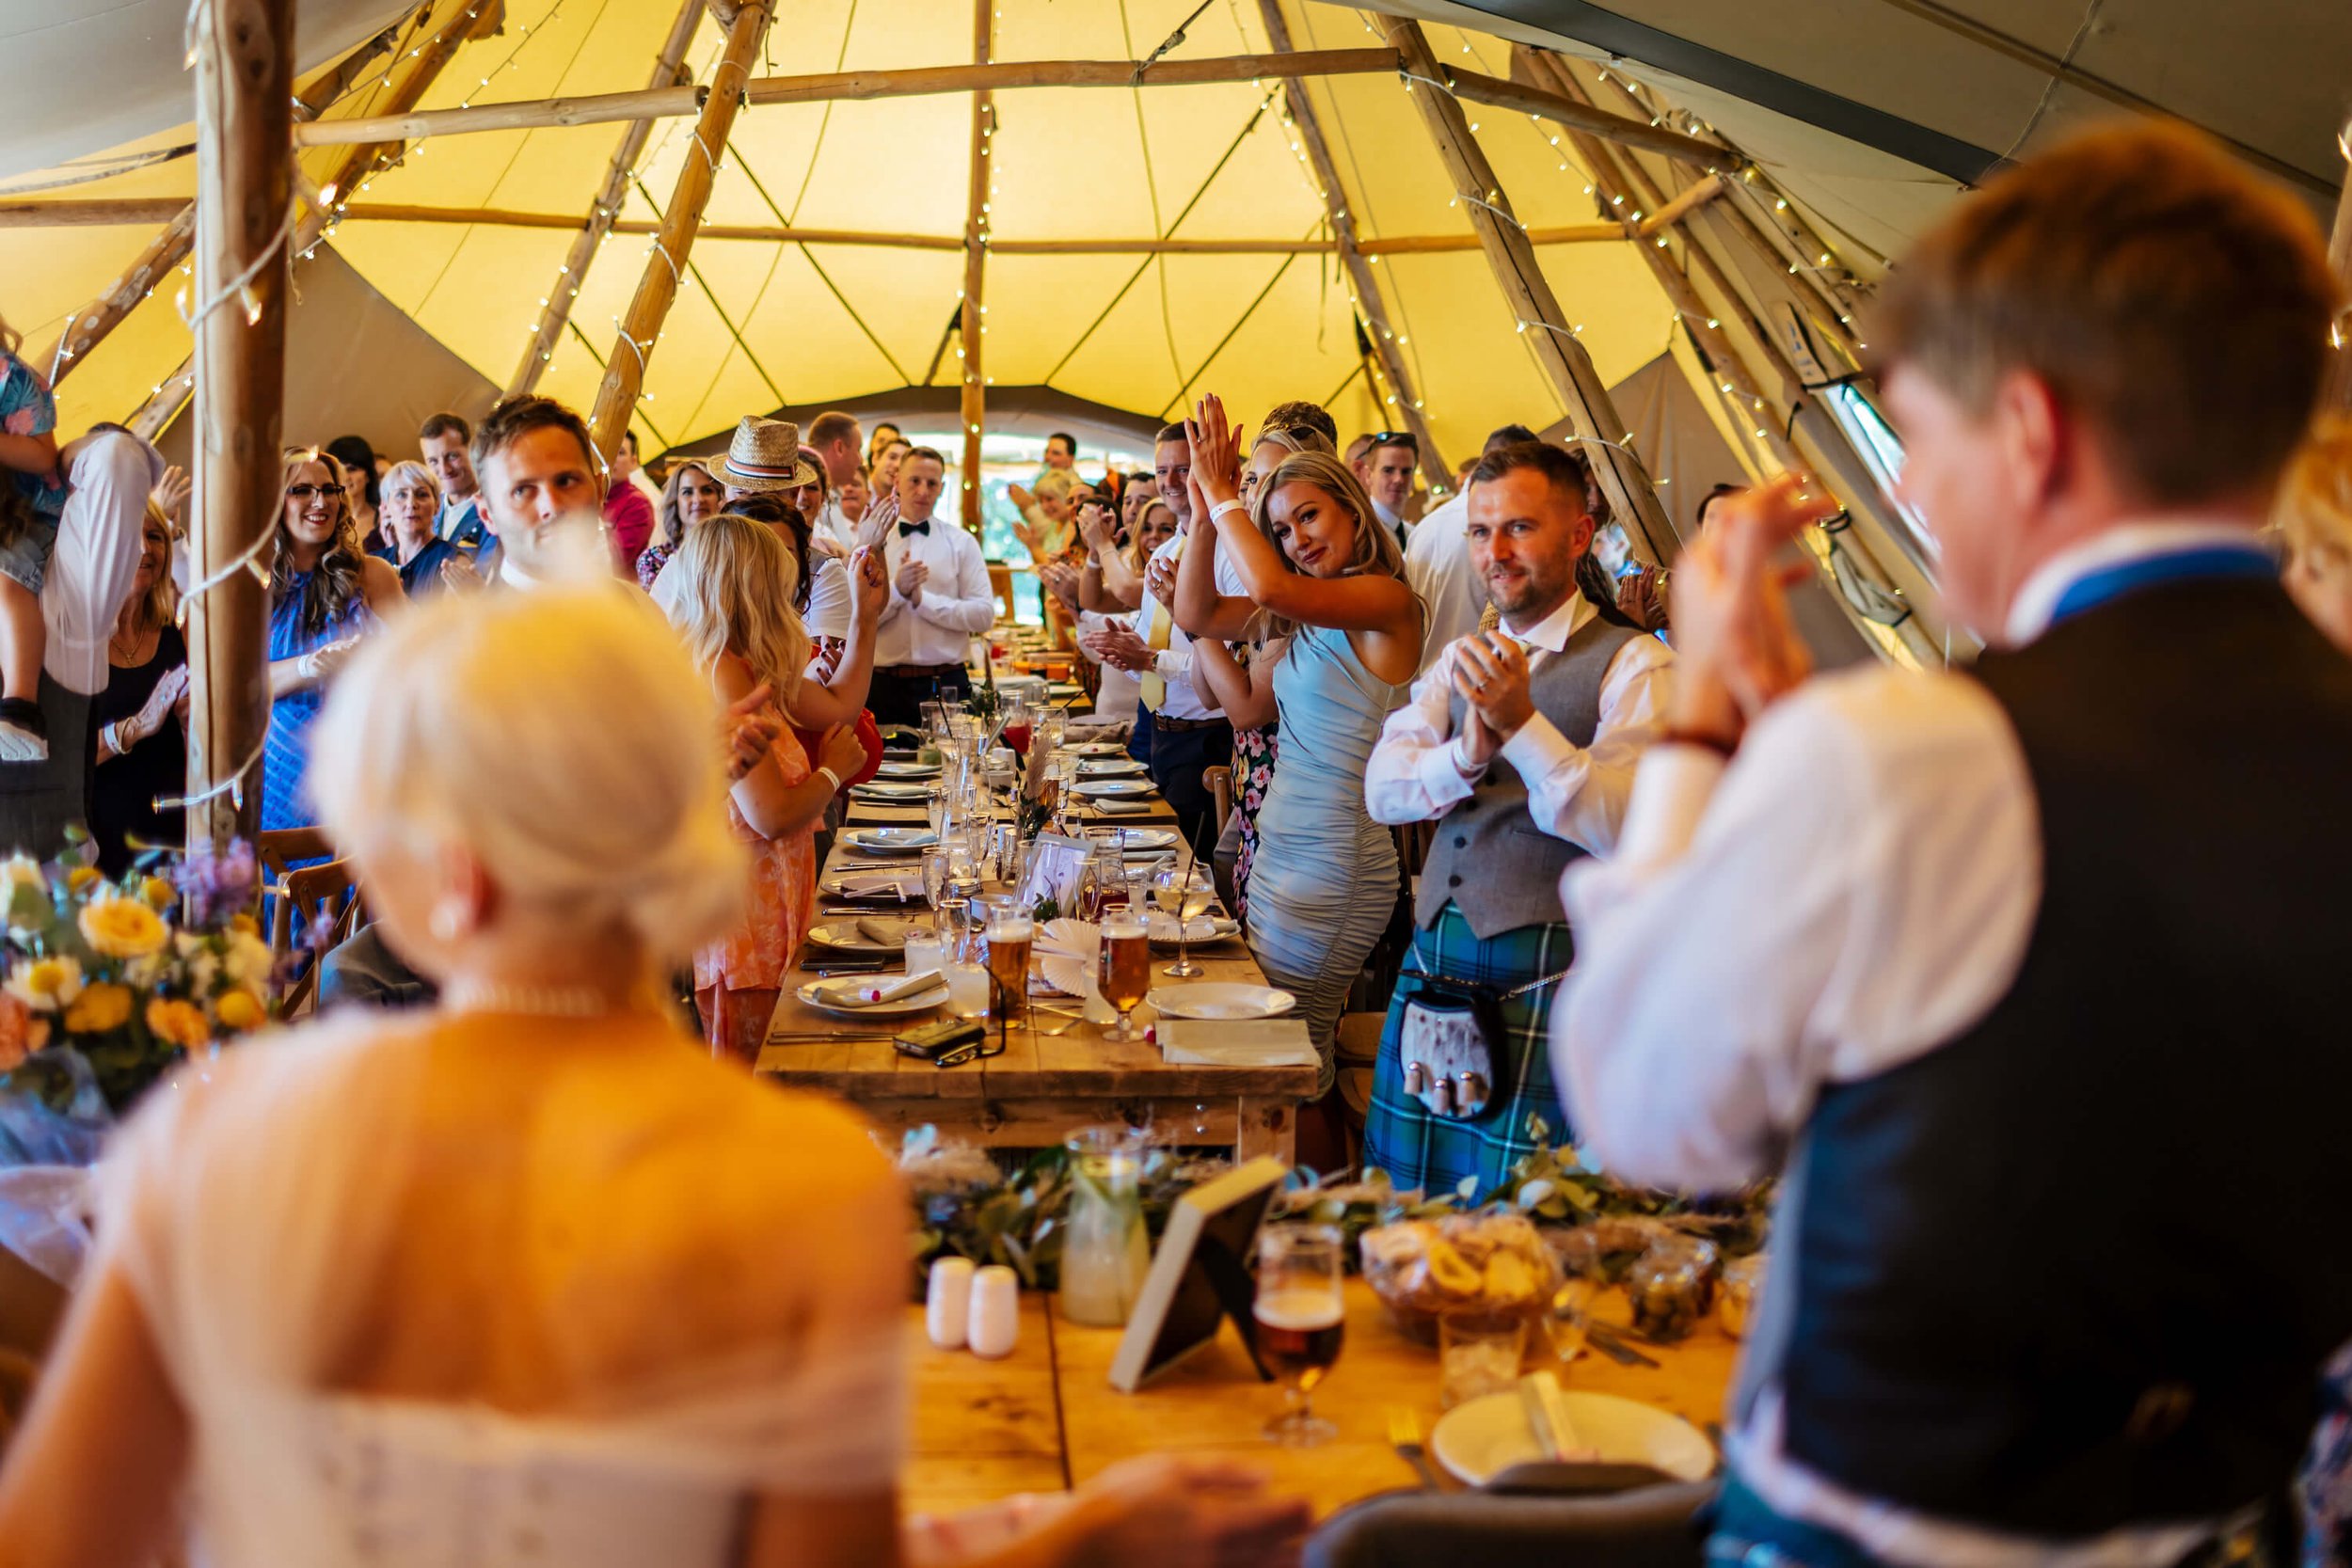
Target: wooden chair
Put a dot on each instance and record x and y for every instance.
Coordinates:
(1001, 583)
(329, 893)
(1218, 781)
(281, 847)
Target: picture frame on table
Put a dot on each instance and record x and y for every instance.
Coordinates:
(1057, 867)
(1200, 1276)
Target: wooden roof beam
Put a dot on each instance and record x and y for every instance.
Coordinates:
(641, 326)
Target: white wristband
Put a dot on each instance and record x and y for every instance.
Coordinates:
(832, 778)
(1229, 504)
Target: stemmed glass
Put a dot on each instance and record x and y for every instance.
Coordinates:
(1300, 1320)
(1184, 891)
(1124, 967)
(937, 863)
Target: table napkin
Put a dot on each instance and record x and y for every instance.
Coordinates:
(1228, 1042)
(866, 992)
(881, 934)
(871, 885)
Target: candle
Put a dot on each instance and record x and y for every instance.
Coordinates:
(948, 1312)
(996, 1325)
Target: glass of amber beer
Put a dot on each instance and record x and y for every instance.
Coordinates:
(1300, 1318)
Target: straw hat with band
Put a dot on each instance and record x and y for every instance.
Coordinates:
(766, 455)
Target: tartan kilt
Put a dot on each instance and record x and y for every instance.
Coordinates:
(1420, 1149)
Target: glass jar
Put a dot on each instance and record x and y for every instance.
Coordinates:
(1672, 1286)
(1735, 1302)
(1105, 1253)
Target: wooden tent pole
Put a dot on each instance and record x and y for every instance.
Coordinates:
(1749, 400)
(1632, 498)
(640, 327)
(344, 176)
(601, 211)
(2338, 394)
(88, 327)
(972, 330)
(244, 189)
(1366, 282)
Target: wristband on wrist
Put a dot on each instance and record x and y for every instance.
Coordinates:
(832, 778)
(1229, 503)
(112, 736)
(1702, 740)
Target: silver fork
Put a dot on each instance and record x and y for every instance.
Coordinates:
(1405, 1438)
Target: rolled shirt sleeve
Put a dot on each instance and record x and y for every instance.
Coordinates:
(1418, 771)
(1579, 793)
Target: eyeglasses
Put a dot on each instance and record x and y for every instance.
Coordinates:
(304, 492)
(1393, 438)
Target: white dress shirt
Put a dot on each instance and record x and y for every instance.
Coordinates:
(1118, 691)
(1438, 565)
(1855, 890)
(1421, 770)
(954, 607)
(96, 557)
(1173, 664)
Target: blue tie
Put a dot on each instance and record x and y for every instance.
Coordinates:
(905, 529)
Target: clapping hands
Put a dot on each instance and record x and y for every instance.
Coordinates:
(870, 587)
(873, 530)
(1736, 649)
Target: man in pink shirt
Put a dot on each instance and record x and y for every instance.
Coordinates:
(627, 527)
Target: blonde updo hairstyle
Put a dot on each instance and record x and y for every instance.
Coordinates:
(1377, 549)
(2313, 508)
(562, 738)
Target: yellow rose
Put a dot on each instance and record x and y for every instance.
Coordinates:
(182, 1023)
(159, 893)
(241, 1010)
(123, 928)
(81, 878)
(245, 925)
(101, 1007)
(45, 985)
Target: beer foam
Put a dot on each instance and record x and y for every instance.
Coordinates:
(1303, 1311)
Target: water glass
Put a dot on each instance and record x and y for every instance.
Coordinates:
(1479, 1353)
(967, 989)
(927, 954)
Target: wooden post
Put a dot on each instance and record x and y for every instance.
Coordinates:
(2339, 386)
(88, 327)
(1360, 272)
(601, 213)
(344, 176)
(640, 327)
(1632, 498)
(972, 330)
(244, 191)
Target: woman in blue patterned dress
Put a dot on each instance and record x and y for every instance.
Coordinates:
(324, 590)
(1319, 569)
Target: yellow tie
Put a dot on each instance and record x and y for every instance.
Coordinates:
(1158, 627)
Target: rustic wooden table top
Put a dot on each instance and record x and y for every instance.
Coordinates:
(1047, 1415)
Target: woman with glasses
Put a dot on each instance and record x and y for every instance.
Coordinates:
(690, 495)
(324, 590)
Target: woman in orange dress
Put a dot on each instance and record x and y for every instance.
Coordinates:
(735, 610)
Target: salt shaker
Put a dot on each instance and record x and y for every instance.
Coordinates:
(996, 1325)
(947, 1312)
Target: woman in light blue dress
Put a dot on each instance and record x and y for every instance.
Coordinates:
(1317, 566)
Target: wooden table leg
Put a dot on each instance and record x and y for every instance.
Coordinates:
(1265, 1126)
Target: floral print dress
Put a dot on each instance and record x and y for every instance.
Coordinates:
(760, 952)
(1254, 752)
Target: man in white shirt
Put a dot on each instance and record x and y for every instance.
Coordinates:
(1386, 463)
(940, 599)
(1438, 563)
(1983, 957)
(1178, 734)
(1521, 744)
(446, 440)
(90, 572)
(838, 442)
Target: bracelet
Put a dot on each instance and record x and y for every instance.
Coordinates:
(1701, 740)
(1231, 503)
(832, 777)
(112, 736)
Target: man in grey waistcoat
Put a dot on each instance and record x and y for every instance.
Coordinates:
(1519, 743)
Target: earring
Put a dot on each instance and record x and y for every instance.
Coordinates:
(448, 923)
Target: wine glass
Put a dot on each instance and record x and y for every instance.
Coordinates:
(1300, 1319)
(937, 864)
(1184, 891)
(1124, 968)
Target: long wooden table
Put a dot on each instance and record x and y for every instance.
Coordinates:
(1057, 1073)
(1046, 1416)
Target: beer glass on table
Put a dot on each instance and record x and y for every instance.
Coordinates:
(1124, 972)
(1008, 937)
(1299, 1319)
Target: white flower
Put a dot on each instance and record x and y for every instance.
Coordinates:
(248, 961)
(21, 871)
(46, 985)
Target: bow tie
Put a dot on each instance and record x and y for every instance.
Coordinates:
(922, 528)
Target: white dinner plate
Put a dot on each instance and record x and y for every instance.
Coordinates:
(852, 886)
(922, 1001)
(1199, 928)
(903, 794)
(1480, 1439)
(844, 935)
(907, 770)
(898, 842)
(1095, 748)
(1220, 998)
(1139, 841)
(1113, 788)
(1110, 768)
(1065, 689)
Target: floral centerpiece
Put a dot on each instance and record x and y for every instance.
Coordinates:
(107, 986)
